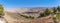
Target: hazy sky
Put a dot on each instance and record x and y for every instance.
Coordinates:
(29, 3)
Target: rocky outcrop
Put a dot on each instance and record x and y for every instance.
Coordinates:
(3, 20)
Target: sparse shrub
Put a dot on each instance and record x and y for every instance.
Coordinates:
(27, 16)
(58, 8)
(24, 16)
(54, 19)
(1, 10)
(47, 11)
(31, 17)
(41, 15)
(54, 10)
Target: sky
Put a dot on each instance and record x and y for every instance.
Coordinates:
(29, 3)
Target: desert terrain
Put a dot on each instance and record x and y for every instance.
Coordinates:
(12, 16)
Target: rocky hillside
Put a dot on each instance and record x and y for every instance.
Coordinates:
(14, 17)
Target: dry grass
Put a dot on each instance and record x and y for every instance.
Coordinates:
(10, 19)
(15, 18)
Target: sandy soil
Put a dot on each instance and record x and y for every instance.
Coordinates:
(14, 19)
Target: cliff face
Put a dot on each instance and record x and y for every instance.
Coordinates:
(13, 17)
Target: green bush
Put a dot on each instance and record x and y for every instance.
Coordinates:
(58, 8)
(47, 11)
(41, 15)
(1, 10)
(54, 10)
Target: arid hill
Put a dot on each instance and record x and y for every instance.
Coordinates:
(12, 16)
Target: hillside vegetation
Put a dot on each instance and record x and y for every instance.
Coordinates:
(31, 15)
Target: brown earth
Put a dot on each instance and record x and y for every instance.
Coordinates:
(13, 17)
